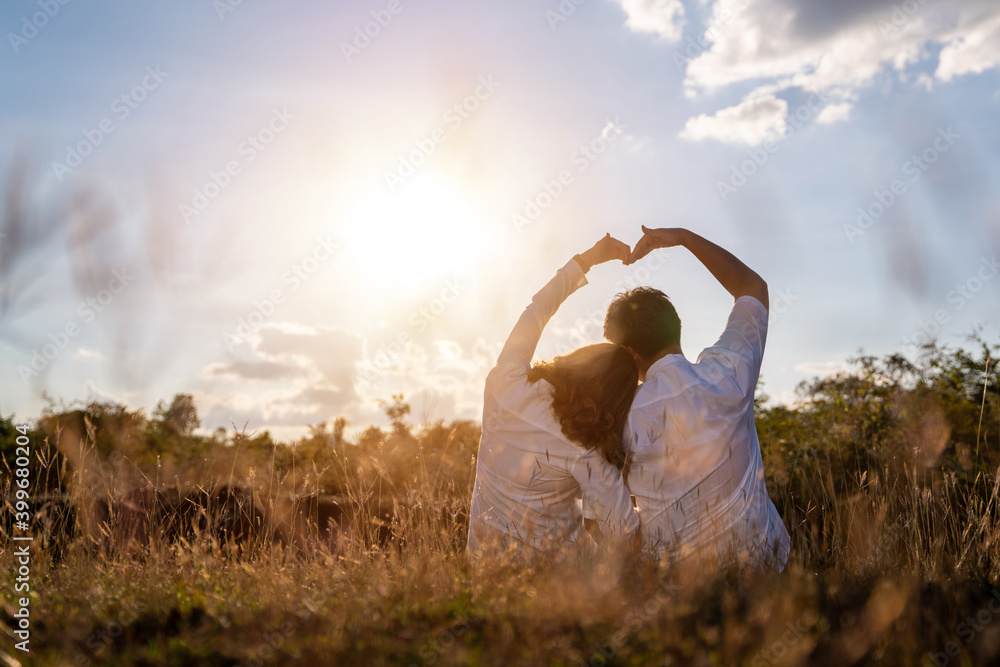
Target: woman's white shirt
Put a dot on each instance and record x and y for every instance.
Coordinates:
(530, 478)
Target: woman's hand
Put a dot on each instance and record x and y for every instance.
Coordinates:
(656, 238)
(605, 250)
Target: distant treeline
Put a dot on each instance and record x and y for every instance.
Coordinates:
(850, 466)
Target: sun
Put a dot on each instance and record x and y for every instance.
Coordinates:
(425, 230)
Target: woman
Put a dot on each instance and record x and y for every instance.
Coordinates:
(552, 433)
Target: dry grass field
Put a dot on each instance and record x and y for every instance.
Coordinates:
(157, 546)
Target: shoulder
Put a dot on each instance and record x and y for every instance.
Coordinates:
(744, 336)
(505, 373)
(668, 377)
(682, 386)
(509, 391)
(510, 376)
(749, 309)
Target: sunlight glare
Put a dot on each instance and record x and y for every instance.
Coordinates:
(425, 230)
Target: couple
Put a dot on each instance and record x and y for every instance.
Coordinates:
(683, 442)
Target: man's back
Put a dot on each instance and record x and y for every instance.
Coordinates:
(696, 469)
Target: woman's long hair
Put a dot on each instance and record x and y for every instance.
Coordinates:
(592, 391)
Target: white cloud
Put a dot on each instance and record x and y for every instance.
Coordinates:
(834, 113)
(661, 17)
(445, 375)
(925, 81)
(840, 48)
(972, 52)
(750, 122)
(836, 48)
(248, 369)
(289, 376)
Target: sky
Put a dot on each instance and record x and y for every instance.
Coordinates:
(293, 211)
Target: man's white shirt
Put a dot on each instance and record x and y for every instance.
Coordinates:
(530, 478)
(696, 468)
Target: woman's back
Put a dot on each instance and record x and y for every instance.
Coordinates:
(527, 472)
(531, 478)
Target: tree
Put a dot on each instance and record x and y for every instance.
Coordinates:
(180, 417)
(339, 424)
(396, 411)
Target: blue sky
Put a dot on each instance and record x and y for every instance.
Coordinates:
(291, 221)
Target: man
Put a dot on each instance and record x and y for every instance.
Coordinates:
(696, 470)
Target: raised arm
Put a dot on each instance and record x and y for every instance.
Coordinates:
(736, 277)
(520, 346)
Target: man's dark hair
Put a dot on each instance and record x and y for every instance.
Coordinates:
(643, 319)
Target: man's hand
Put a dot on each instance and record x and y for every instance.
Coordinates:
(656, 238)
(736, 277)
(605, 250)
